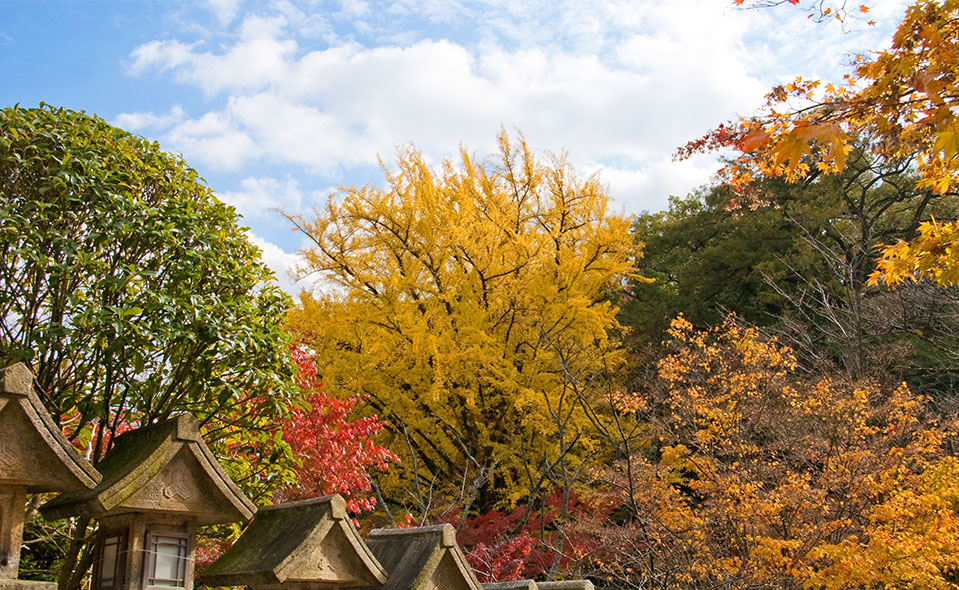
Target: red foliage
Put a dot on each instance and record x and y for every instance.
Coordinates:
(500, 548)
(208, 550)
(503, 562)
(335, 451)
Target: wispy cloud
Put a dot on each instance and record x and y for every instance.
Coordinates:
(315, 95)
(261, 195)
(225, 10)
(331, 108)
(284, 265)
(143, 121)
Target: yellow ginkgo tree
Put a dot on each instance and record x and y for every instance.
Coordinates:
(904, 99)
(469, 302)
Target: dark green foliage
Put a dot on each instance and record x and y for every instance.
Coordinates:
(707, 260)
(795, 260)
(43, 555)
(131, 291)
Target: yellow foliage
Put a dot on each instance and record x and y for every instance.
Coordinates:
(468, 301)
(910, 541)
(934, 254)
(757, 479)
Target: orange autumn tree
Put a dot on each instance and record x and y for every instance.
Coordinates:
(753, 478)
(904, 99)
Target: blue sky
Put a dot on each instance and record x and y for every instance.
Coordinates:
(276, 103)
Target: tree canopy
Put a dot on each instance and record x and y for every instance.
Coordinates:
(904, 98)
(799, 268)
(476, 315)
(468, 302)
(753, 478)
(132, 292)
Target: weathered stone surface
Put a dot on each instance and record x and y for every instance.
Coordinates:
(425, 558)
(162, 468)
(26, 585)
(566, 585)
(16, 380)
(181, 486)
(515, 585)
(13, 503)
(34, 454)
(303, 545)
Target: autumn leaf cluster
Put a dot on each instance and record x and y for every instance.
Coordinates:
(334, 446)
(754, 478)
(902, 99)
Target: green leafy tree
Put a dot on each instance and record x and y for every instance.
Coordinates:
(798, 265)
(707, 261)
(132, 293)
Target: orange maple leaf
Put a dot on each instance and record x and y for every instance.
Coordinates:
(753, 141)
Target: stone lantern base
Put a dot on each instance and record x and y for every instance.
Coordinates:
(26, 585)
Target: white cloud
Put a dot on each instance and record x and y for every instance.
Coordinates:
(624, 184)
(214, 139)
(163, 55)
(619, 83)
(302, 134)
(343, 106)
(649, 186)
(225, 10)
(258, 196)
(354, 8)
(258, 59)
(433, 11)
(283, 265)
(798, 47)
(139, 121)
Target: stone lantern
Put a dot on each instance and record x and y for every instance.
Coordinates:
(514, 585)
(159, 483)
(308, 545)
(565, 585)
(34, 457)
(531, 585)
(423, 558)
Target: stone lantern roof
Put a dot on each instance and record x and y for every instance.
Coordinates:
(34, 457)
(514, 585)
(305, 545)
(424, 558)
(34, 454)
(531, 585)
(565, 585)
(162, 468)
